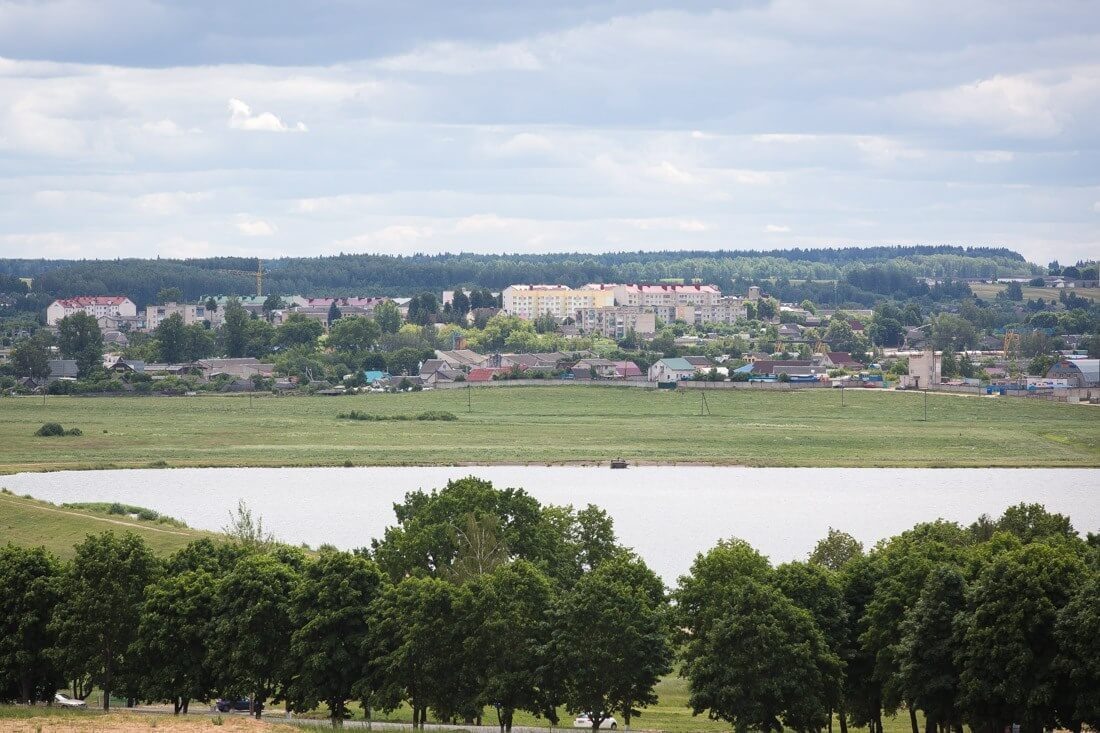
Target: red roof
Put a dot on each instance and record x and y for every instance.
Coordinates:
(664, 288)
(481, 374)
(352, 301)
(842, 357)
(627, 369)
(84, 300)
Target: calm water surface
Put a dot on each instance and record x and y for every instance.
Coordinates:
(666, 513)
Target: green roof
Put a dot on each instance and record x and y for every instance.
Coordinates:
(679, 364)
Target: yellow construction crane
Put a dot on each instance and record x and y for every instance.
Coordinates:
(258, 274)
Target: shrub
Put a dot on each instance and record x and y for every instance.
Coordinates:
(49, 430)
(74, 431)
(437, 415)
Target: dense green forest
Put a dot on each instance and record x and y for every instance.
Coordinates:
(348, 274)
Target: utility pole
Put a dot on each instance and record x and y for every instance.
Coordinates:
(926, 405)
(842, 387)
(469, 403)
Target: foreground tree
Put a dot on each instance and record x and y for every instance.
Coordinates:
(28, 593)
(762, 664)
(170, 652)
(31, 358)
(353, 335)
(100, 610)
(929, 677)
(415, 641)
(1007, 646)
(506, 617)
(329, 647)
(612, 643)
(252, 628)
(1078, 636)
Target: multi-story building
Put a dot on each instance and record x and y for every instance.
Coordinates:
(665, 295)
(93, 305)
(560, 301)
(615, 321)
(190, 313)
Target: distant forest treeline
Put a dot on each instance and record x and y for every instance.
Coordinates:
(348, 274)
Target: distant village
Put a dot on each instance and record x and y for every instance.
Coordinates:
(664, 334)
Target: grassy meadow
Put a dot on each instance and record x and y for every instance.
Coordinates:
(548, 425)
(990, 290)
(29, 522)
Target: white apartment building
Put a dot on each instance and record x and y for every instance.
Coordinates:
(96, 306)
(560, 301)
(190, 313)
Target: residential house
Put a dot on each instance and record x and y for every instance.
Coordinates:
(1077, 372)
(242, 368)
(373, 376)
(437, 371)
(62, 369)
(128, 366)
(595, 369)
(628, 370)
(93, 305)
(790, 331)
(463, 359)
(841, 360)
(482, 374)
(790, 367)
(699, 362)
(115, 340)
(671, 370)
(664, 294)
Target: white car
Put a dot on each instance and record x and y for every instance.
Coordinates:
(68, 702)
(584, 721)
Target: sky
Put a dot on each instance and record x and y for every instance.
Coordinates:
(200, 128)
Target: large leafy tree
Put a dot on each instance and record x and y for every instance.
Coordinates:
(929, 676)
(79, 338)
(762, 664)
(612, 643)
(1078, 635)
(329, 647)
(508, 633)
(250, 641)
(836, 549)
(170, 655)
(388, 316)
(97, 618)
(171, 336)
(416, 645)
(700, 595)
(906, 562)
(28, 594)
(1007, 643)
(298, 330)
(427, 538)
(353, 335)
(234, 330)
(31, 358)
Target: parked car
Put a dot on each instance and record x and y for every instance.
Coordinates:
(239, 705)
(68, 702)
(585, 721)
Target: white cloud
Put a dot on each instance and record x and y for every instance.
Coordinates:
(522, 144)
(464, 58)
(341, 204)
(252, 227)
(241, 117)
(776, 229)
(994, 156)
(169, 203)
(1096, 207)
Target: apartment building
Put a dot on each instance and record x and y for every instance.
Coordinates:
(614, 322)
(666, 295)
(560, 301)
(190, 313)
(94, 305)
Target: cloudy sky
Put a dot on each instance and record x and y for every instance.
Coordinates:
(203, 127)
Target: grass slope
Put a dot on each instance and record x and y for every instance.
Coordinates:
(29, 523)
(552, 425)
(990, 290)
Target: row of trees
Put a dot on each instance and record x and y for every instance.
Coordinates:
(480, 598)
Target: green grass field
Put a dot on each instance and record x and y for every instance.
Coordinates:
(990, 290)
(546, 425)
(29, 523)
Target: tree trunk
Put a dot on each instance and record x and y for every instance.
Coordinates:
(186, 701)
(929, 724)
(913, 719)
(176, 706)
(830, 721)
(842, 719)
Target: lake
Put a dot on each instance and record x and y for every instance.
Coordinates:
(666, 513)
